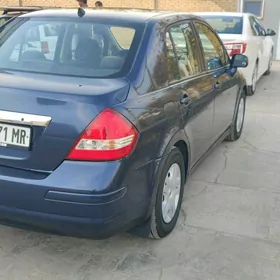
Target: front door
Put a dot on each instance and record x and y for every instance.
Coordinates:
(266, 45)
(225, 87)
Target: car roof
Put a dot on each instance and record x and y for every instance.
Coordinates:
(133, 15)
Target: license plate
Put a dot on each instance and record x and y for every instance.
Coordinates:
(12, 135)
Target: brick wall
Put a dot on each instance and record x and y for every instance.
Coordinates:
(178, 5)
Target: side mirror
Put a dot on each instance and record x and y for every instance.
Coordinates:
(270, 32)
(214, 63)
(239, 61)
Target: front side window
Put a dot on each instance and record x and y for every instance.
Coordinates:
(182, 56)
(214, 53)
(260, 26)
(256, 28)
(69, 47)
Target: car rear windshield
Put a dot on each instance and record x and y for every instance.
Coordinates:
(70, 47)
(226, 24)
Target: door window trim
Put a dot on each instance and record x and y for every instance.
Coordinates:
(197, 51)
(201, 48)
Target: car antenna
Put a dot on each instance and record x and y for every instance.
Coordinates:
(81, 12)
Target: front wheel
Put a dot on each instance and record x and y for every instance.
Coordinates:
(169, 196)
(238, 122)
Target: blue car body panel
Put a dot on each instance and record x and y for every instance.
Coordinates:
(40, 188)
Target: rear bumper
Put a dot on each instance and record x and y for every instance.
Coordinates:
(83, 199)
(64, 225)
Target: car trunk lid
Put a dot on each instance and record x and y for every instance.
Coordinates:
(41, 116)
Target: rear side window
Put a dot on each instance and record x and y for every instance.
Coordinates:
(182, 57)
(69, 47)
(226, 24)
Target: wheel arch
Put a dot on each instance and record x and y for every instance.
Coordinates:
(180, 141)
(183, 148)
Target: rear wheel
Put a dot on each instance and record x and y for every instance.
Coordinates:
(238, 122)
(252, 88)
(169, 196)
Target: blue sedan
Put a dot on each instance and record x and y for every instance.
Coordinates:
(105, 113)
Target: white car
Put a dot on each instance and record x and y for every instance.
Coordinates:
(243, 33)
(42, 39)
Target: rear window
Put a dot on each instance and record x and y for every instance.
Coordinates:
(78, 47)
(124, 36)
(226, 24)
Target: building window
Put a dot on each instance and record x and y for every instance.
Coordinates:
(254, 7)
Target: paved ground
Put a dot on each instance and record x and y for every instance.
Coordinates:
(229, 227)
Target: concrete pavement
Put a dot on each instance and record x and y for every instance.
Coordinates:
(229, 228)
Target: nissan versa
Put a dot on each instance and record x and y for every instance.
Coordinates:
(105, 113)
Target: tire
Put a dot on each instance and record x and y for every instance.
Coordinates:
(268, 71)
(237, 126)
(162, 224)
(252, 88)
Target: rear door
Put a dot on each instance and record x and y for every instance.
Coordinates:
(197, 97)
(224, 86)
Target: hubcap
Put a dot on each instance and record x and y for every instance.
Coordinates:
(171, 193)
(240, 115)
(255, 77)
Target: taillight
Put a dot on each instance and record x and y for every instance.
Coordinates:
(235, 48)
(110, 136)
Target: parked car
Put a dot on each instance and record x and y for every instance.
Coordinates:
(11, 12)
(243, 33)
(102, 138)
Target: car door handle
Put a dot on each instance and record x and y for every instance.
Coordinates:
(185, 99)
(217, 86)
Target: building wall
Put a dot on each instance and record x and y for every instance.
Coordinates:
(271, 19)
(178, 5)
